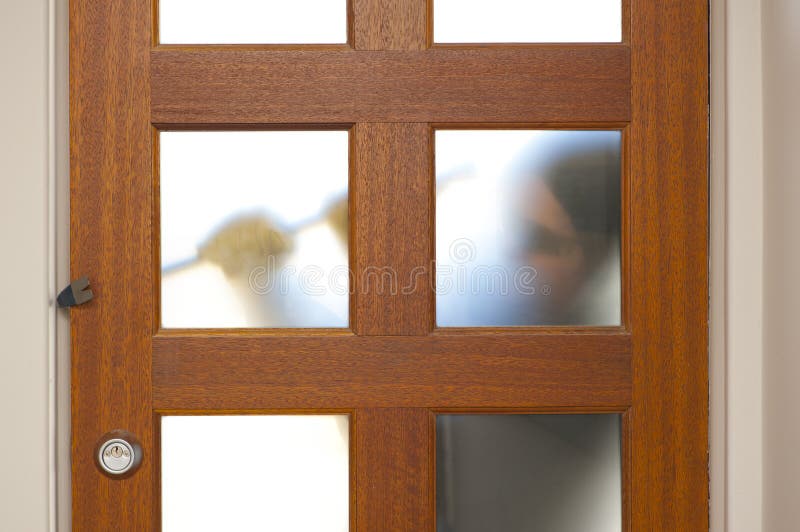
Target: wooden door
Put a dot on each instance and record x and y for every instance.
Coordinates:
(393, 370)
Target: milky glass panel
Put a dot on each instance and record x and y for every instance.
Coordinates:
(255, 473)
(254, 229)
(527, 228)
(528, 473)
(523, 21)
(252, 21)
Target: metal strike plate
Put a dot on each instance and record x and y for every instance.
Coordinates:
(118, 454)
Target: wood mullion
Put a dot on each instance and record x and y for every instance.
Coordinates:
(394, 470)
(392, 201)
(390, 24)
(392, 229)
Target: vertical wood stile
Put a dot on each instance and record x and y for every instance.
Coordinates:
(669, 265)
(111, 240)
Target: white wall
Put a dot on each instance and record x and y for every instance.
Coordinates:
(24, 338)
(781, 20)
(742, 127)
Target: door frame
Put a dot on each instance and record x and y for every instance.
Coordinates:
(723, 56)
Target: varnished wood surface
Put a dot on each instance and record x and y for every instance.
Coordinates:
(390, 24)
(392, 229)
(546, 83)
(111, 241)
(394, 469)
(245, 372)
(669, 266)
(391, 370)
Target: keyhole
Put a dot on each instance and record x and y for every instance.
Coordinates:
(118, 457)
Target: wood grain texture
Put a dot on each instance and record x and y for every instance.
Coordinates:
(478, 371)
(390, 24)
(394, 369)
(392, 229)
(111, 242)
(669, 265)
(546, 83)
(394, 470)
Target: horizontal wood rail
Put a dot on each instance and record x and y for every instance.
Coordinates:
(250, 371)
(537, 84)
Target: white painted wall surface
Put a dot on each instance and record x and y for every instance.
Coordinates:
(781, 265)
(744, 264)
(24, 324)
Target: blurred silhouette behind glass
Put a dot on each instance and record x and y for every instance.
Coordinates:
(528, 473)
(254, 229)
(528, 228)
(254, 473)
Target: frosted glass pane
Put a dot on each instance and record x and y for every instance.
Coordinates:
(528, 473)
(254, 228)
(522, 21)
(255, 473)
(252, 21)
(528, 228)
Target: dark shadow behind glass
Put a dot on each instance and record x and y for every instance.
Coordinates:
(528, 473)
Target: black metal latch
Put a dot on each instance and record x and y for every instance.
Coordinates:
(77, 293)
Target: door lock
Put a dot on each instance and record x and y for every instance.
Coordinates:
(119, 454)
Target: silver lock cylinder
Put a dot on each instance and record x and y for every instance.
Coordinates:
(118, 454)
(116, 457)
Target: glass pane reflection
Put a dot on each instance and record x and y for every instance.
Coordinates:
(252, 21)
(255, 473)
(522, 473)
(467, 21)
(254, 229)
(527, 228)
